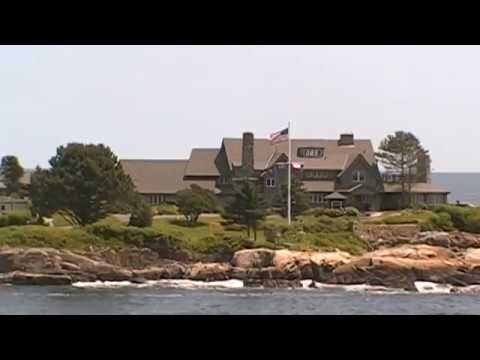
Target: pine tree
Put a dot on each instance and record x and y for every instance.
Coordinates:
(248, 206)
(400, 153)
(299, 197)
(11, 171)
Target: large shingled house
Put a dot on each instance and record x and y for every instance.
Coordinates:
(335, 172)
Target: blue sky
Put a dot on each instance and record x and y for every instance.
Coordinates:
(160, 101)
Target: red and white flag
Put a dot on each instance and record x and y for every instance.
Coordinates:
(297, 166)
(279, 136)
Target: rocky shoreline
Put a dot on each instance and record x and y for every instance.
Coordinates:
(399, 266)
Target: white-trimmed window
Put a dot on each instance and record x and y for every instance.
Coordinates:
(358, 177)
(310, 152)
(270, 182)
(317, 198)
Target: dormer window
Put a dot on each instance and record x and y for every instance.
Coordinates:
(310, 152)
(358, 177)
(270, 182)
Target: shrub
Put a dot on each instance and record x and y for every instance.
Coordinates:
(274, 231)
(16, 218)
(472, 223)
(226, 245)
(324, 223)
(165, 209)
(351, 211)
(464, 219)
(334, 213)
(234, 227)
(133, 236)
(141, 216)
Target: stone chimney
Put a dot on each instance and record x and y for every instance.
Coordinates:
(247, 151)
(346, 139)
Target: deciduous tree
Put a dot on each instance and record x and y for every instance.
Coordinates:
(195, 201)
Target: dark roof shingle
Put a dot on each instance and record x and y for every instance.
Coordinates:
(160, 176)
(202, 163)
(335, 157)
(416, 188)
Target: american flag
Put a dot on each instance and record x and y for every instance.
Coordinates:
(279, 136)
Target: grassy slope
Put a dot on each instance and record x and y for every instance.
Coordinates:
(208, 236)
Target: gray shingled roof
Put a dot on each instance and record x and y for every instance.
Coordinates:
(202, 163)
(160, 176)
(335, 196)
(319, 186)
(336, 157)
(416, 188)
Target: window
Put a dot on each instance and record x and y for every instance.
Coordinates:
(310, 152)
(3, 207)
(317, 174)
(270, 182)
(317, 198)
(358, 177)
(224, 180)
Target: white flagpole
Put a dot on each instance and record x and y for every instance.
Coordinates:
(289, 176)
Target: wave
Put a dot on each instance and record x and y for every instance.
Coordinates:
(354, 288)
(183, 284)
(425, 287)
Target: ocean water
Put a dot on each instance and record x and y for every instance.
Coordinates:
(230, 298)
(464, 187)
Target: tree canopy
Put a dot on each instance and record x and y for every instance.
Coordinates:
(84, 183)
(400, 153)
(248, 206)
(195, 201)
(300, 200)
(11, 171)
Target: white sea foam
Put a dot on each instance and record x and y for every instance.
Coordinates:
(353, 288)
(184, 284)
(472, 289)
(425, 287)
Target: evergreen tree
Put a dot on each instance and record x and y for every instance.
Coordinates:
(299, 197)
(400, 153)
(11, 171)
(84, 184)
(248, 206)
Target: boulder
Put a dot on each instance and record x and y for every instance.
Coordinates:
(472, 257)
(464, 240)
(23, 278)
(209, 271)
(435, 238)
(30, 260)
(171, 271)
(401, 267)
(253, 258)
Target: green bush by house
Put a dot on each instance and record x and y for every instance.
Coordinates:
(165, 209)
(334, 213)
(15, 218)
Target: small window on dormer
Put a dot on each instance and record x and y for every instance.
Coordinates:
(358, 176)
(270, 182)
(310, 152)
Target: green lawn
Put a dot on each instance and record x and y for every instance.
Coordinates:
(211, 235)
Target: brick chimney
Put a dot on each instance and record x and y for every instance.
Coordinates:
(247, 151)
(346, 139)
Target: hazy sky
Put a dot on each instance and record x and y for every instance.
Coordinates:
(160, 101)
